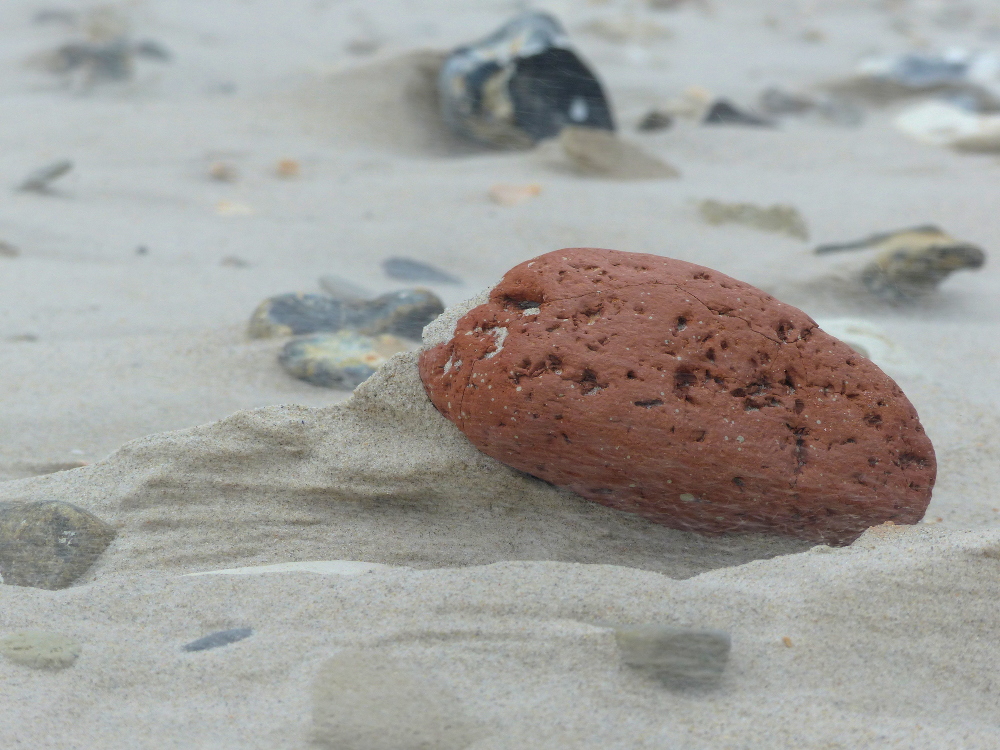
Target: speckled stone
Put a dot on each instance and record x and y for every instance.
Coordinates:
(670, 390)
(403, 313)
(49, 544)
(519, 85)
(337, 360)
(40, 649)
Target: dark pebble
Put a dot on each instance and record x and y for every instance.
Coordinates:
(724, 112)
(519, 85)
(219, 638)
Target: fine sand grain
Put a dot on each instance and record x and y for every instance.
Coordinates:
(474, 600)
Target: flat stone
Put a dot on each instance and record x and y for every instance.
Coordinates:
(219, 638)
(40, 649)
(402, 313)
(407, 269)
(48, 545)
(670, 390)
(519, 85)
(678, 657)
(723, 112)
(337, 360)
(364, 700)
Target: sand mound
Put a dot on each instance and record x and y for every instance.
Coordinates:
(390, 105)
(382, 477)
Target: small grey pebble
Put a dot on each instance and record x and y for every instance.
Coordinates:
(406, 269)
(219, 638)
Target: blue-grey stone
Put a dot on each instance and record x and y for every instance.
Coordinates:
(402, 313)
(219, 638)
(406, 269)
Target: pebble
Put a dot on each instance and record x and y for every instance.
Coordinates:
(513, 195)
(669, 390)
(8, 250)
(288, 169)
(49, 544)
(911, 263)
(602, 153)
(40, 180)
(777, 218)
(520, 85)
(655, 120)
(223, 171)
(407, 269)
(678, 657)
(403, 313)
(365, 700)
(724, 112)
(40, 649)
(234, 261)
(219, 638)
(341, 360)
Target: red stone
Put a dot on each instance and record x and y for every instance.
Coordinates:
(670, 390)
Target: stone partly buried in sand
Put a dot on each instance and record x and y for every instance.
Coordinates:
(670, 390)
(403, 313)
(49, 545)
(520, 85)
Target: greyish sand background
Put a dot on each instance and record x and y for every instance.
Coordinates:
(501, 587)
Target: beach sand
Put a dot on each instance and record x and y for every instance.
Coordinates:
(130, 369)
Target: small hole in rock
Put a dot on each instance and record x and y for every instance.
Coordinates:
(650, 403)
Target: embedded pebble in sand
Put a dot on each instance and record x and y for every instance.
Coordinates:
(48, 545)
(219, 638)
(337, 360)
(670, 390)
(364, 700)
(403, 313)
(521, 84)
(678, 657)
(40, 649)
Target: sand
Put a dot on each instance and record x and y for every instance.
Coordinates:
(498, 592)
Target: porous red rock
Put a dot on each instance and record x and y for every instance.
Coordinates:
(670, 390)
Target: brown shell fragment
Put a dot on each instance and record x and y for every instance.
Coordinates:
(670, 390)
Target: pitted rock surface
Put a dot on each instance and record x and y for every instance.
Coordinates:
(670, 390)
